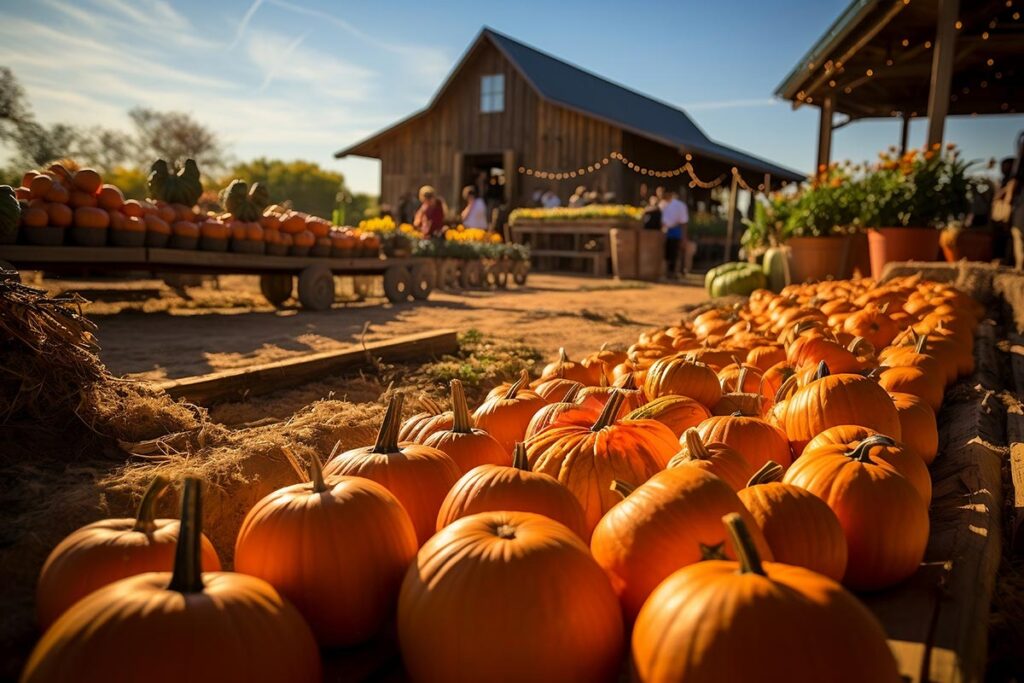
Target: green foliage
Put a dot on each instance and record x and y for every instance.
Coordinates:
(306, 185)
(482, 362)
(470, 250)
(132, 181)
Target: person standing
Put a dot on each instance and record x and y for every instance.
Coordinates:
(550, 200)
(578, 198)
(675, 218)
(429, 218)
(475, 213)
(651, 219)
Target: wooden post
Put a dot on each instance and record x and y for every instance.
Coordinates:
(458, 169)
(730, 226)
(942, 69)
(904, 133)
(767, 183)
(825, 134)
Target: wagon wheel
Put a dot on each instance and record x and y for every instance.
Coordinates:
(9, 272)
(448, 275)
(472, 276)
(501, 274)
(519, 272)
(316, 287)
(397, 284)
(276, 287)
(362, 285)
(424, 276)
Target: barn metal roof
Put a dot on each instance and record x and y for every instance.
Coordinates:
(570, 86)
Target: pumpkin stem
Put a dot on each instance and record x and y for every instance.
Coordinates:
(460, 411)
(316, 474)
(921, 341)
(570, 396)
(746, 551)
(858, 342)
(519, 459)
(696, 447)
(863, 450)
(822, 370)
(769, 472)
(430, 405)
(741, 379)
(610, 411)
(524, 379)
(628, 383)
(622, 488)
(146, 513)
(563, 357)
(387, 437)
(187, 576)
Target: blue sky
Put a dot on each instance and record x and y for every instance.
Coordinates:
(303, 78)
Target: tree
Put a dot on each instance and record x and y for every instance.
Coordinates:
(305, 184)
(174, 136)
(36, 144)
(104, 149)
(131, 180)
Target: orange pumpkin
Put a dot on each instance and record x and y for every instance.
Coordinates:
(552, 390)
(588, 459)
(926, 385)
(672, 520)
(809, 351)
(490, 488)
(177, 621)
(721, 460)
(719, 621)
(755, 439)
(110, 549)
(289, 540)
(799, 527)
(40, 186)
(884, 451)
(185, 229)
(420, 426)
(507, 417)
(132, 208)
(87, 180)
(553, 413)
(466, 446)
(419, 476)
(765, 356)
(508, 577)
(110, 198)
(830, 400)
(59, 215)
(883, 516)
(678, 413)
(91, 217)
(568, 369)
(872, 324)
(58, 193)
(79, 199)
(918, 426)
(679, 376)
(156, 224)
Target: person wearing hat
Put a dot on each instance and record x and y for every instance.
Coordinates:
(430, 216)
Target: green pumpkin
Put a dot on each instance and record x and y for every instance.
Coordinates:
(183, 187)
(10, 215)
(734, 278)
(243, 203)
(776, 268)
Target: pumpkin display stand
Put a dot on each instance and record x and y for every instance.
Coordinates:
(322, 248)
(187, 242)
(88, 237)
(817, 258)
(157, 240)
(248, 246)
(298, 250)
(46, 236)
(277, 249)
(901, 244)
(213, 243)
(127, 238)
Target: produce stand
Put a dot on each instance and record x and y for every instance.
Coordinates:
(579, 246)
(403, 277)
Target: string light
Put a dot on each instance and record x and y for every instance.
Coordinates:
(686, 168)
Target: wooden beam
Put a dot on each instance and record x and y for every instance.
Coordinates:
(290, 372)
(825, 134)
(942, 69)
(904, 133)
(730, 226)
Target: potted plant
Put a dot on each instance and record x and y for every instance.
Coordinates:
(908, 198)
(820, 224)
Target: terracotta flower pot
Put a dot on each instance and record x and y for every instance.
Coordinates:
(860, 254)
(901, 244)
(816, 258)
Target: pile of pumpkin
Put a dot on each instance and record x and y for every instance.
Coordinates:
(65, 204)
(693, 505)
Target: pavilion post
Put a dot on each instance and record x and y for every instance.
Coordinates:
(904, 133)
(825, 133)
(731, 224)
(942, 69)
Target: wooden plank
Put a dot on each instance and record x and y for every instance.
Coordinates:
(937, 621)
(29, 255)
(229, 261)
(942, 69)
(290, 372)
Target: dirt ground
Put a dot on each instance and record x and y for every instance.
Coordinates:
(149, 331)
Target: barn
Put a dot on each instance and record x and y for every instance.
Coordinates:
(518, 119)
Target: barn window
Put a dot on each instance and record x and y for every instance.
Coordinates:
(492, 93)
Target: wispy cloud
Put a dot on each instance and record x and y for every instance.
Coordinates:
(731, 104)
(156, 13)
(243, 24)
(285, 59)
